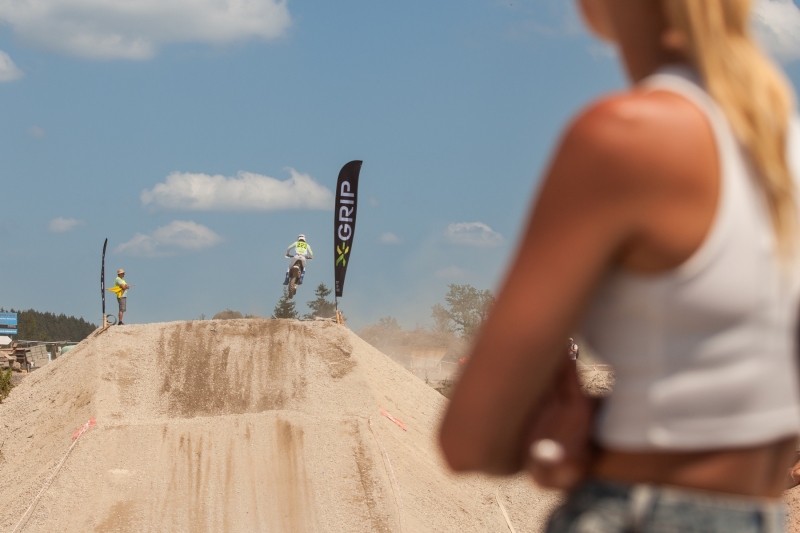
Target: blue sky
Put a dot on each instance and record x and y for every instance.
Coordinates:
(144, 125)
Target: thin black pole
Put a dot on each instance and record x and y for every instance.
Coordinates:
(103, 282)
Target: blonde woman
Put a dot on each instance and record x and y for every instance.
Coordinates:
(683, 217)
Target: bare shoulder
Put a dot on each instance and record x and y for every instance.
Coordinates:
(655, 134)
(639, 175)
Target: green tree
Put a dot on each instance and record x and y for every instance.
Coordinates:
(442, 323)
(390, 324)
(321, 307)
(28, 326)
(468, 307)
(36, 326)
(386, 331)
(285, 308)
(5, 384)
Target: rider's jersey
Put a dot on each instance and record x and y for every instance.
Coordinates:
(301, 248)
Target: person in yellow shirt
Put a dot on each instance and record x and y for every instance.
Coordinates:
(122, 295)
(302, 251)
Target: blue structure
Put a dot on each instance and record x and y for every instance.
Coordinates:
(8, 323)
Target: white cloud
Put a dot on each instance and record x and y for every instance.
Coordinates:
(8, 70)
(777, 25)
(451, 272)
(600, 51)
(549, 18)
(36, 131)
(473, 234)
(390, 238)
(245, 192)
(176, 237)
(62, 225)
(134, 29)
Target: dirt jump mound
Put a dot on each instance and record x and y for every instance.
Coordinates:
(238, 426)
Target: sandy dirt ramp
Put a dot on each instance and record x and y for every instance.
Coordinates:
(240, 426)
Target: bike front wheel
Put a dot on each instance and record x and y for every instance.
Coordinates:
(294, 275)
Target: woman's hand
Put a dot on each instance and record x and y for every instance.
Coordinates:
(559, 445)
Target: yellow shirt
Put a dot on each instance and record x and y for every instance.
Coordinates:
(119, 282)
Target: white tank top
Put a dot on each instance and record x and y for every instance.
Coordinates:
(705, 354)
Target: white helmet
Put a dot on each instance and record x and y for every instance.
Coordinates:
(301, 237)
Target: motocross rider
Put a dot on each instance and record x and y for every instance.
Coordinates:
(302, 251)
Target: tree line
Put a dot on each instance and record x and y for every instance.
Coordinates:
(462, 315)
(36, 326)
(466, 309)
(320, 306)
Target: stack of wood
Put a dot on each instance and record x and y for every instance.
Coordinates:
(22, 357)
(8, 359)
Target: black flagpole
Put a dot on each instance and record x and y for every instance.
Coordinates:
(103, 283)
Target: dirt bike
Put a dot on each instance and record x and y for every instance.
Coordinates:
(294, 275)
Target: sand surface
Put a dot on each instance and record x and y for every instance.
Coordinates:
(240, 426)
(246, 426)
(792, 500)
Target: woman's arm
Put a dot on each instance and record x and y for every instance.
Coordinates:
(611, 182)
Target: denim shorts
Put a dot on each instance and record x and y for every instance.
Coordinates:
(612, 507)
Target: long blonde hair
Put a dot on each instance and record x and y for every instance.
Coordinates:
(751, 91)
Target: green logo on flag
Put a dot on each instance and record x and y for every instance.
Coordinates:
(342, 252)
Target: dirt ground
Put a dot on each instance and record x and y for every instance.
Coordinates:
(792, 500)
(240, 426)
(17, 378)
(597, 380)
(246, 426)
